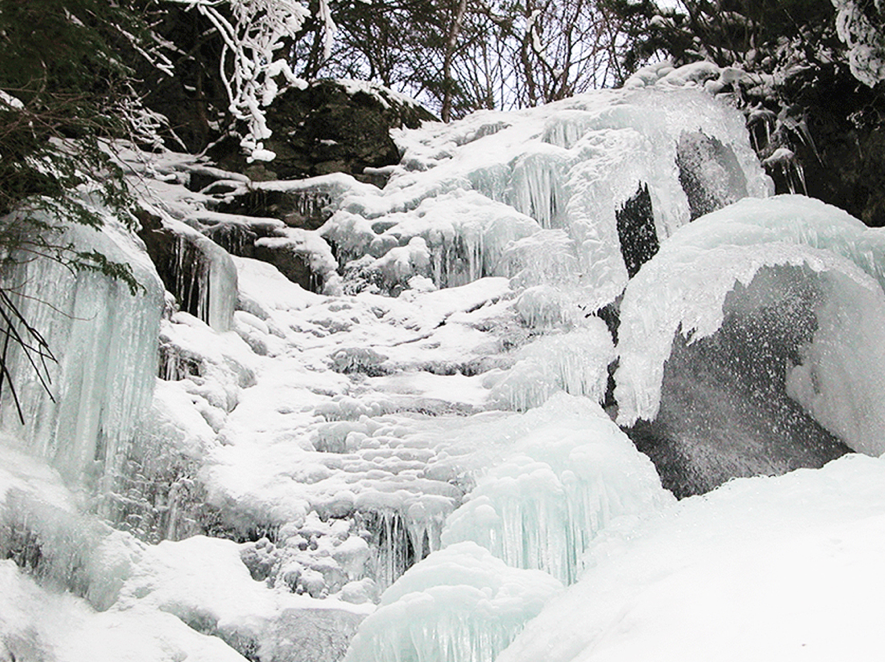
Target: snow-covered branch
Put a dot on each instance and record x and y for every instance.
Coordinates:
(254, 32)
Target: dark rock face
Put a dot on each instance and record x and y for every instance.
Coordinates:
(709, 173)
(329, 128)
(836, 127)
(294, 266)
(307, 208)
(193, 268)
(636, 230)
(724, 409)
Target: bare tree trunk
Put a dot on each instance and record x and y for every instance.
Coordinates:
(451, 43)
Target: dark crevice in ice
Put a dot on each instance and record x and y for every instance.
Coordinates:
(636, 230)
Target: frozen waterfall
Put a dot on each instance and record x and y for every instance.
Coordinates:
(448, 419)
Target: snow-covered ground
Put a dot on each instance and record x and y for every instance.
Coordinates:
(422, 458)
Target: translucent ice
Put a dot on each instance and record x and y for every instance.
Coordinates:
(559, 486)
(106, 338)
(575, 362)
(460, 604)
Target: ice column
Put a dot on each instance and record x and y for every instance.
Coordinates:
(105, 339)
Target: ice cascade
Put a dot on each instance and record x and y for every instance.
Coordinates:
(468, 189)
(106, 339)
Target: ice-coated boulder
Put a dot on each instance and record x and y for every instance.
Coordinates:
(748, 344)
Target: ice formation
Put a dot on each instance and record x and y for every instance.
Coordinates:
(106, 338)
(575, 362)
(460, 605)
(569, 166)
(393, 426)
(559, 486)
(684, 290)
(779, 568)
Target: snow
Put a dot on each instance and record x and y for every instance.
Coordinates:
(770, 568)
(417, 457)
(866, 51)
(36, 623)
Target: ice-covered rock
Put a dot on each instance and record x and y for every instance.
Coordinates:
(444, 451)
(742, 339)
(569, 166)
(195, 269)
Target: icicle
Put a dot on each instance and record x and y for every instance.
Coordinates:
(106, 341)
(460, 605)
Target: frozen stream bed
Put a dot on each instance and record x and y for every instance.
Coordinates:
(427, 449)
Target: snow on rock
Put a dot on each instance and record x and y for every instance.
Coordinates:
(37, 623)
(442, 451)
(780, 568)
(205, 584)
(460, 604)
(464, 232)
(685, 289)
(62, 573)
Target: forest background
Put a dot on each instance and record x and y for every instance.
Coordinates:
(185, 74)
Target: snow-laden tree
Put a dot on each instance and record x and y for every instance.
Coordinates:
(254, 55)
(860, 25)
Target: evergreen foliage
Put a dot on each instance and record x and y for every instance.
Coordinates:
(60, 88)
(62, 85)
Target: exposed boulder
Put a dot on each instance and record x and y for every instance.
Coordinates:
(725, 408)
(330, 126)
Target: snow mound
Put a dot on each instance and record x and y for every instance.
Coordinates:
(762, 568)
